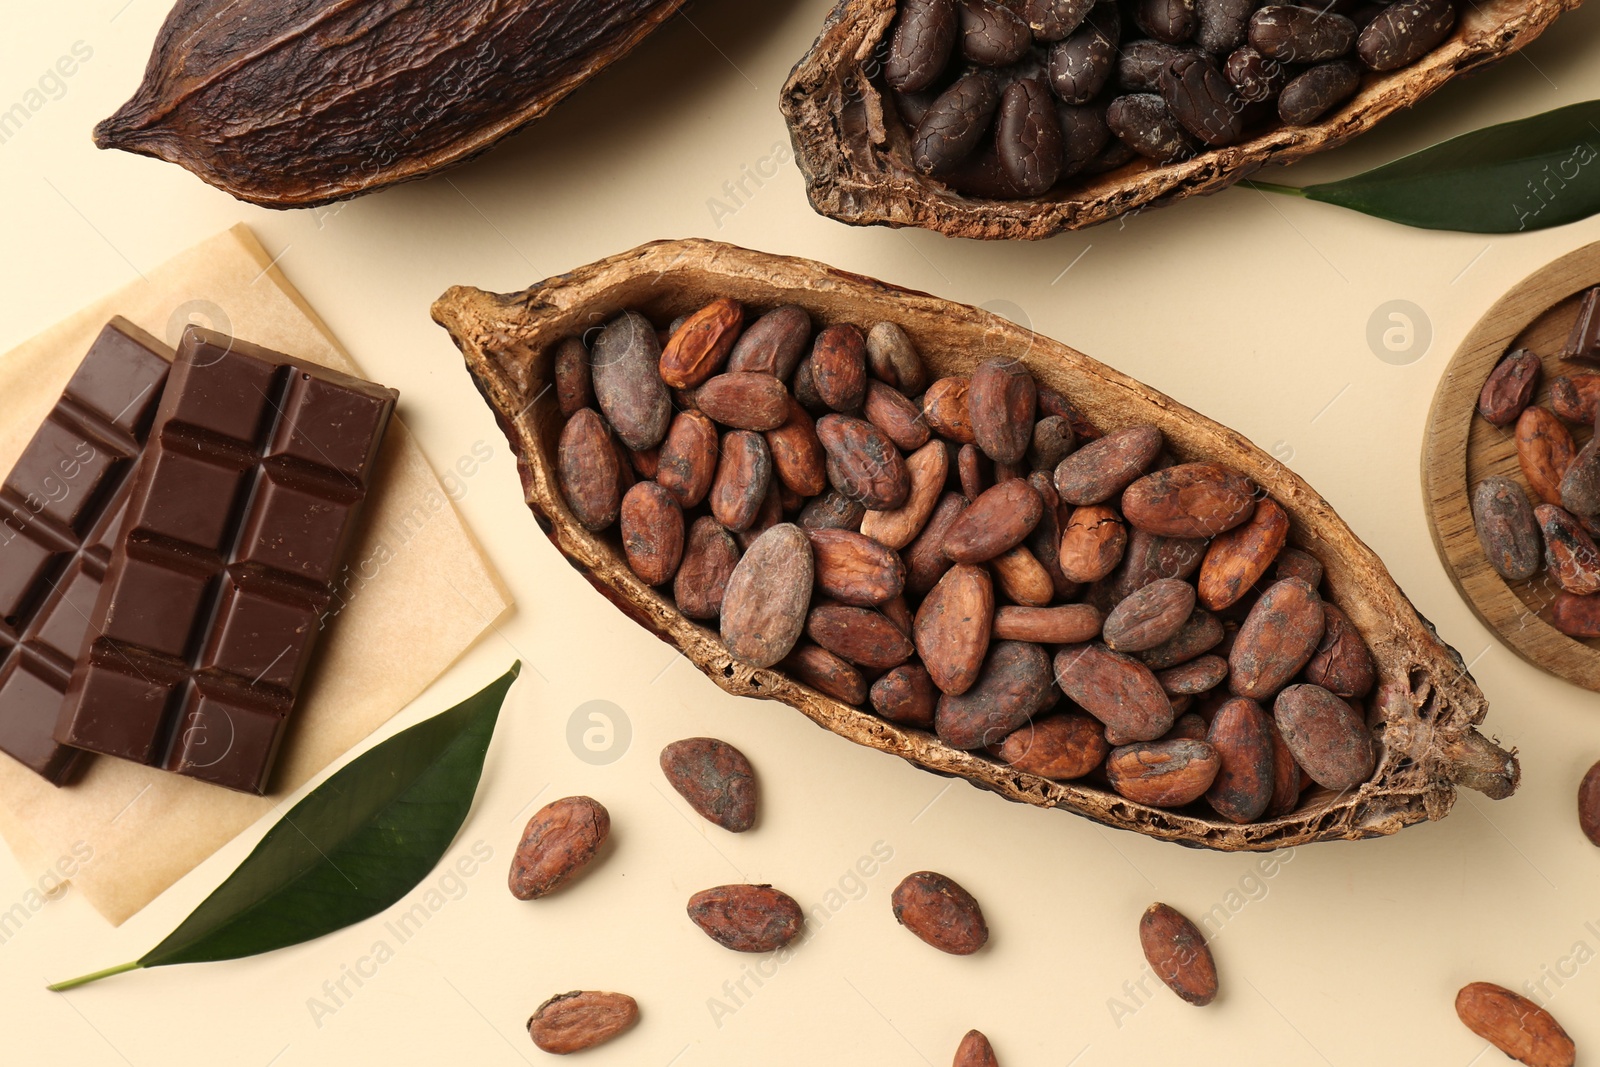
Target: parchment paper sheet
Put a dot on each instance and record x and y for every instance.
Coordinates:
(418, 592)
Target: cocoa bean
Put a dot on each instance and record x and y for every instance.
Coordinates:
(1189, 726)
(899, 612)
(1200, 675)
(974, 470)
(1168, 21)
(863, 463)
(906, 695)
(1239, 558)
(1510, 387)
(1575, 616)
(1118, 690)
(839, 367)
(1515, 1025)
(1051, 20)
(1286, 777)
(831, 511)
(747, 918)
(1081, 64)
(923, 40)
(927, 470)
(1001, 403)
(940, 912)
(1589, 805)
(559, 841)
(1342, 665)
(1507, 528)
(687, 463)
(992, 34)
(1278, 637)
(995, 522)
(953, 625)
(1545, 451)
(1149, 617)
(945, 406)
(1570, 555)
(1141, 62)
(1189, 500)
(764, 608)
(1296, 563)
(1092, 543)
(975, 1051)
(1013, 686)
(1053, 440)
(925, 560)
(1028, 140)
(574, 386)
(1300, 34)
(744, 400)
(774, 343)
(890, 411)
(1311, 95)
(1059, 747)
(797, 456)
(1063, 624)
(573, 1022)
(1576, 399)
(625, 475)
(1202, 100)
(804, 386)
(589, 470)
(893, 359)
(1241, 734)
(1254, 77)
(1178, 953)
(1022, 578)
(1162, 774)
(1148, 558)
(1580, 486)
(626, 370)
(1144, 123)
(1200, 633)
(700, 346)
(744, 474)
(861, 635)
(1101, 469)
(709, 557)
(1224, 24)
(826, 673)
(955, 123)
(715, 778)
(1327, 736)
(652, 533)
(854, 569)
(1404, 32)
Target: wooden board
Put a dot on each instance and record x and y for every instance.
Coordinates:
(1460, 450)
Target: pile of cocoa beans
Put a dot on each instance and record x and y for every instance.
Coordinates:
(968, 556)
(1008, 99)
(1554, 537)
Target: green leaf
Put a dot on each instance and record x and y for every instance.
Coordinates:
(353, 846)
(1530, 174)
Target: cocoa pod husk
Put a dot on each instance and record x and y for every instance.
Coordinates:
(715, 779)
(559, 841)
(1062, 747)
(579, 1020)
(1515, 1025)
(1178, 953)
(764, 608)
(747, 918)
(940, 912)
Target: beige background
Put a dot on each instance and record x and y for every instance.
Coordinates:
(1252, 310)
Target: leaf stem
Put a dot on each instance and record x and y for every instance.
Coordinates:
(1272, 187)
(73, 983)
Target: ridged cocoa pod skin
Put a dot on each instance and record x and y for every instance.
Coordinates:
(953, 626)
(1163, 774)
(863, 463)
(1014, 685)
(1507, 528)
(626, 368)
(709, 556)
(975, 1051)
(1277, 639)
(559, 841)
(1327, 736)
(906, 695)
(1343, 665)
(573, 1022)
(940, 912)
(892, 411)
(893, 359)
(715, 779)
(945, 406)
(927, 470)
(1059, 747)
(1178, 953)
(1189, 500)
(1404, 32)
(828, 674)
(1589, 805)
(1570, 556)
(764, 609)
(1314, 93)
(589, 470)
(854, 569)
(925, 560)
(744, 400)
(924, 37)
(1575, 616)
(1238, 559)
(744, 474)
(652, 533)
(747, 918)
(1150, 617)
(1241, 733)
(1510, 387)
(1300, 35)
(1105, 467)
(1515, 1025)
(1545, 451)
(1576, 398)
(997, 521)
(574, 386)
(1061, 624)
(863, 636)
(1002, 401)
(1118, 690)
(1200, 633)
(700, 347)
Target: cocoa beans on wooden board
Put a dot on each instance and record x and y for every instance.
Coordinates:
(954, 612)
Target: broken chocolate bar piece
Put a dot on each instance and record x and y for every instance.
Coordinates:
(1583, 344)
(62, 510)
(242, 508)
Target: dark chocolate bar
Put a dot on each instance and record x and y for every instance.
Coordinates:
(1583, 343)
(60, 513)
(242, 508)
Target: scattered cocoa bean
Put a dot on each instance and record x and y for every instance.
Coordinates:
(559, 841)
(715, 778)
(1178, 953)
(1545, 451)
(940, 912)
(1589, 805)
(975, 1051)
(1515, 1025)
(747, 918)
(573, 1022)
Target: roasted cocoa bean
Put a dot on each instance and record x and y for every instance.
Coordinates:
(1241, 734)
(1199, 634)
(1544, 451)
(992, 34)
(927, 468)
(863, 463)
(1082, 64)
(1162, 774)
(995, 522)
(559, 841)
(1515, 1025)
(863, 636)
(1300, 34)
(1051, 20)
(1277, 639)
(1327, 736)
(1202, 100)
(953, 626)
(1224, 25)
(774, 343)
(1404, 32)
(589, 470)
(715, 779)
(1510, 387)
(1168, 21)
(1575, 616)
(925, 560)
(1141, 62)
(1103, 468)
(574, 386)
(923, 40)
(1342, 665)
(1118, 690)
(744, 474)
(1178, 953)
(747, 918)
(1189, 500)
(893, 359)
(744, 400)
(700, 347)
(1199, 675)
(940, 912)
(709, 557)
(944, 405)
(573, 1022)
(1013, 686)
(1144, 123)
(907, 696)
(626, 370)
(1149, 617)
(1028, 138)
(1255, 78)
(831, 511)
(764, 608)
(652, 533)
(1238, 559)
(954, 123)
(827, 673)
(1311, 95)
(1570, 555)
(1059, 747)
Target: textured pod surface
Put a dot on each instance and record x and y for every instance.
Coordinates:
(715, 778)
(747, 918)
(381, 92)
(1178, 953)
(1515, 1025)
(581, 1020)
(559, 841)
(940, 912)
(508, 340)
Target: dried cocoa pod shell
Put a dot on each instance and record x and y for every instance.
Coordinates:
(797, 456)
(927, 468)
(953, 626)
(1510, 387)
(1241, 734)
(625, 366)
(1001, 403)
(375, 98)
(1507, 528)
(1342, 664)
(1013, 686)
(1515, 1025)
(893, 359)
(747, 918)
(774, 343)
(1178, 953)
(744, 474)
(1059, 747)
(827, 673)
(945, 406)
(589, 470)
(573, 1022)
(855, 569)
(863, 463)
(1278, 637)
(700, 346)
(997, 521)
(652, 533)
(975, 1051)
(1200, 675)
(574, 386)
(906, 695)
(709, 557)
(1150, 617)
(1200, 633)
(1022, 578)
(1116, 689)
(831, 511)
(1163, 774)
(925, 560)
(1589, 805)
(715, 778)
(744, 400)
(861, 635)
(1238, 559)
(509, 341)
(764, 608)
(1404, 32)
(559, 841)
(892, 412)
(940, 912)
(1575, 616)
(1101, 469)
(1576, 398)
(1327, 736)
(1189, 500)
(1063, 624)
(1570, 555)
